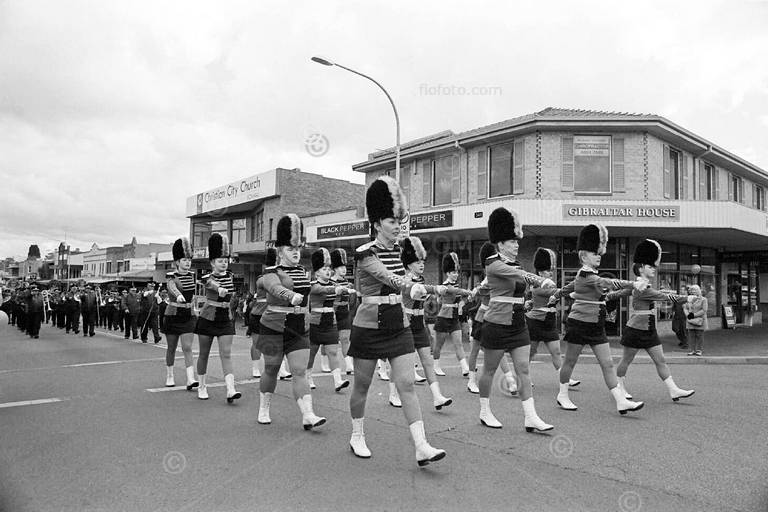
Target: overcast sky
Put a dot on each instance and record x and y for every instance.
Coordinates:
(113, 113)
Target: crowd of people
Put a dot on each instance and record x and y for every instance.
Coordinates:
(381, 323)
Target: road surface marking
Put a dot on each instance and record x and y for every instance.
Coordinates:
(32, 402)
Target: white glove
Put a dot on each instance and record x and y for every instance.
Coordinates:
(222, 292)
(145, 293)
(548, 283)
(484, 282)
(340, 290)
(641, 284)
(159, 299)
(418, 292)
(297, 299)
(181, 298)
(397, 281)
(441, 289)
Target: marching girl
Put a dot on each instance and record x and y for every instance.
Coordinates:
(586, 321)
(447, 323)
(285, 322)
(640, 331)
(341, 305)
(380, 329)
(541, 319)
(414, 293)
(258, 306)
(322, 319)
(484, 292)
(215, 319)
(504, 328)
(179, 320)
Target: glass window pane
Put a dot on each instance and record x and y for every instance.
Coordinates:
(501, 170)
(443, 180)
(592, 164)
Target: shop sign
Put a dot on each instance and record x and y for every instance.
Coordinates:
(621, 212)
(425, 220)
(200, 253)
(357, 228)
(730, 319)
(430, 220)
(252, 188)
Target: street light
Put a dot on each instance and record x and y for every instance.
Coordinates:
(326, 62)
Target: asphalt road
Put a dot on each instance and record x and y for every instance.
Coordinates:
(110, 444)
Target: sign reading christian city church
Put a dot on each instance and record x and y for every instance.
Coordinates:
(426, 220)
(618, 212)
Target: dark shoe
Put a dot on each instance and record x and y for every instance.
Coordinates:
(93, 334)
(135, 337)
(37, 337)
(143, 341)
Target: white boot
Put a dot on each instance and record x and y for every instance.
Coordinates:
(324, 366)
(357, 441)
(675, 392)
(264, 400)
(563, 400)
(232, 393)
(571, 382)
(191, 381)
(472, 384)
(169, 382)
(283, 373)
(394, 396)
(438, 371)
(255, 371)
(464, 367)
(350, 364)
(309, 419)
(416, 377)
(310, 380)
(623, 388)
(425, 453)
(438, 400)
(486, 416)
(383, 375)
(337, 382)
(202, 391)
(622, 404)
(532, 420)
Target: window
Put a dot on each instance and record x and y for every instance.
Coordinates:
(758, 197)
(270, 229)
(109, 267)
(128, 263)
(592, 164)
(672, 181)
(501, 170)
(405, 181)
(708, 183)
(445, 179)
(238, 231)
(736, 189)
(201, 231)
(257, 234)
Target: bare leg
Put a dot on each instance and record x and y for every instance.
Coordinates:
(297, 362)
(402, 375)
(364, 369)
(603, 355)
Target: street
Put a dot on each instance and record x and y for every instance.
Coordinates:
(107, 435)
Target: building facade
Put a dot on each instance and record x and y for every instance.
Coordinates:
(640, 175)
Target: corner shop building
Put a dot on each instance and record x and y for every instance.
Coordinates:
(640, 175)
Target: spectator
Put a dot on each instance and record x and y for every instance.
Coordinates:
(696, 319)
(679, 325)
(130, 307)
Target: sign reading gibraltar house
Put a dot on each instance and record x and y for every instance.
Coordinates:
(621, 212)
(426, 220)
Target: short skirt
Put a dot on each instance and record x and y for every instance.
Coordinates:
(342, 318)
(421, 336)
(323, 335)
(477, 329)
(447, 324)
(180, 324)
(638, 338)
(365, 343)
(205, 327)
(543, 330)
(254, 323)
(274, 343)
(504, 337)
(585, 333)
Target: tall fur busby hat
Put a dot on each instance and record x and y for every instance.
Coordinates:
(218, 246)
(647, 252)
(290, 231)
(412, 250)
(450, 262)
(593, 238)
(320, 258)
(338, 258)
(182, 249)
(486, 251)
(384, 199)
(270, 259)
(544, 259)
(504, 225)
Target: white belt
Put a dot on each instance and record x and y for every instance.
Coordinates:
(322, 310)
(484, 307)
(290, 310)
(414, 312)
(548, 310)
(392, 298)
(643, 312)
(217, 304)
(508, 300)
(261, 300)
(450, 305)
(597, 302)
(182, 305)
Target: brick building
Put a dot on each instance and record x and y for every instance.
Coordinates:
(641, 175)
(248, 210)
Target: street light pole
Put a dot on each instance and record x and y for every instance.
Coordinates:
(326, 62)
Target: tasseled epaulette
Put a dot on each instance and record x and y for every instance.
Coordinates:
(365, 250)
(205, 276)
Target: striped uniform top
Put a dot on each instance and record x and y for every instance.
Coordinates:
(342, 301)
(322, 295)
(185, 283)
(590, 292)
(281, 284)
(376, 266)
(259, 303)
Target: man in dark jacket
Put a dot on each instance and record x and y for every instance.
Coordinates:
(130, 307)
(72, 310)
(88, 305)
(34, 312)
(149, 303)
